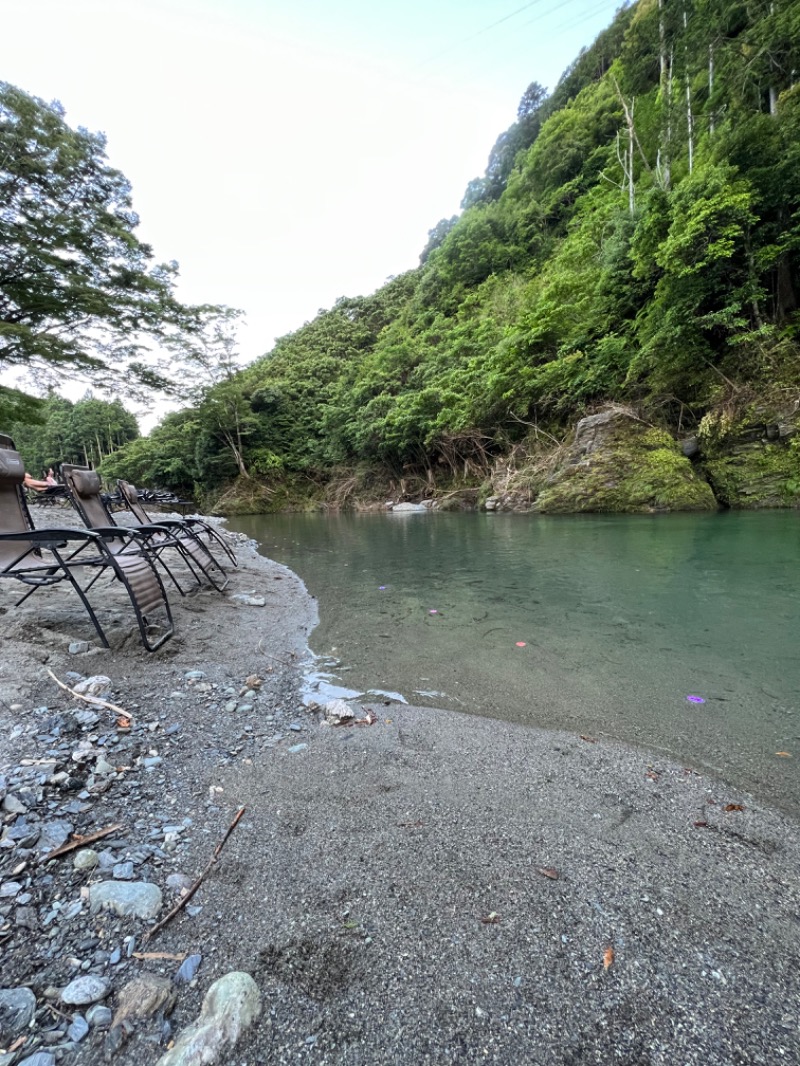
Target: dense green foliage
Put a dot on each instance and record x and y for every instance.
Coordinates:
(83, 432)
(636, 237)
(79, 292)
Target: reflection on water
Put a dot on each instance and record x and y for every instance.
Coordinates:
(620, 619)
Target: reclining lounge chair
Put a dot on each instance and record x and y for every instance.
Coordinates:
(182, 527)
(84, 490)
(44, 557)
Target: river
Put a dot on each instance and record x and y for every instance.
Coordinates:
(676, 633)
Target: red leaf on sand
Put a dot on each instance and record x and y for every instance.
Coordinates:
(733, 807)
(548, 871)
(608, 958)
(700, 825)
(589, 740)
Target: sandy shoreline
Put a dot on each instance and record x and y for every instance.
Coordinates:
(433, 887)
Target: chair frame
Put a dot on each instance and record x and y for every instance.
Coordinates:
(192, 527)
(157, 538)
(92, 550)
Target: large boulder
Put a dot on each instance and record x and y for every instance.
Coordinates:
(619, 463)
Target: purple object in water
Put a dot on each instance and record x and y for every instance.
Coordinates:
(381, 588)
(695, 699)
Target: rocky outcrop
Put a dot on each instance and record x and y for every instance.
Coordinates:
(615, 463)
(752, 460)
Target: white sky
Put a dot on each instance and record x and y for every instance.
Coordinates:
(288, 153)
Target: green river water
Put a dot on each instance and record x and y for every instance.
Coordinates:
(621, 617)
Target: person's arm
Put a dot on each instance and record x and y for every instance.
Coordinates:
(32, 483)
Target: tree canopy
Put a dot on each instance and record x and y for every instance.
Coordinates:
(79, 292)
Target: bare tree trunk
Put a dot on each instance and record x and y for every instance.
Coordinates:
(711, 89)
(688, 87)
(236, 452)
(664, 164)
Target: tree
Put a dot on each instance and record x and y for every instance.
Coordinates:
(78, 289)
(82, 432)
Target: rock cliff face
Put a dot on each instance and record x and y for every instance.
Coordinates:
(752, 461)
(618, 463)
(615, 463)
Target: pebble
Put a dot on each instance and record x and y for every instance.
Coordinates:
(78, 1029)
(41, 1058)
(338, 711)
(85, 859)
(296, 748)
(17, 1008)
(79, 647)
(178, 882)
(139, 899)
(123, 871)
(188, 969)
(98, 1016)
(142, 997)
(96, 685)
(249, 600)
(86, 989)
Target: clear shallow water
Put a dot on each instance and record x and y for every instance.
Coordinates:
(622, 618)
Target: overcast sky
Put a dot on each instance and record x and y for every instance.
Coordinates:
(288, 153)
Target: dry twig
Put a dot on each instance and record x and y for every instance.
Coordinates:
(172, 956)
(79, 842)
(94, 700)
(193, 888)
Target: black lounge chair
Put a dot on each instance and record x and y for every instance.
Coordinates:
(44, 557)
(191, 527)
(84, 488)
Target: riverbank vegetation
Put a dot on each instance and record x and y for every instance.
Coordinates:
(634, 243)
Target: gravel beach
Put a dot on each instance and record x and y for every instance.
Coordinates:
(408, 886)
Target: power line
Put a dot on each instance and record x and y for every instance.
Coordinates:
(485, 29)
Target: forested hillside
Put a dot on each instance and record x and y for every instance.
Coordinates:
(634, 242)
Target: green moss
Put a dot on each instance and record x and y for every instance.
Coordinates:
(637, 469)
(760, 476)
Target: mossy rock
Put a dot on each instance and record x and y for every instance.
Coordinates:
(619, 464)
(751, 457)
(763, 475)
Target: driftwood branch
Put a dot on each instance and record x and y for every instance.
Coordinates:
(80, 842)
(94, 700)
(193, 888)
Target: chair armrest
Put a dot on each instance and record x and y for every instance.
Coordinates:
(115, 532)
(44, 536)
